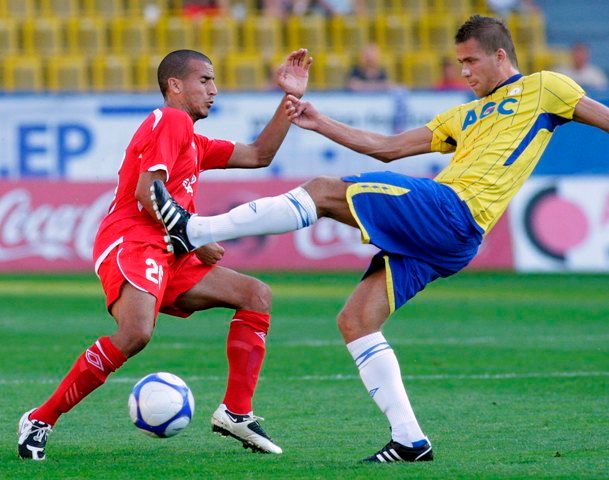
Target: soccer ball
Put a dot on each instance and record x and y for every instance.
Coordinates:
(161, 405)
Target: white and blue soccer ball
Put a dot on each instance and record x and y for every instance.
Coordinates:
(161, 405)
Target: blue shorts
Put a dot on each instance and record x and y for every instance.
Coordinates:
(424, 230)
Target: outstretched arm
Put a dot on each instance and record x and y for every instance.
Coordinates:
(293, 78)
(591, 112)
(385, 148)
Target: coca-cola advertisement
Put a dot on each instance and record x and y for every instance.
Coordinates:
(50, 226)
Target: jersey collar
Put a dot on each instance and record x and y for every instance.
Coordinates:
(512, 79)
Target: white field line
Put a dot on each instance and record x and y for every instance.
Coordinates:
(337, 377)
(541, 340)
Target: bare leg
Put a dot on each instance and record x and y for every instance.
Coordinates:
(245, 348)
(223, 287)
(360, 322)
(134, 315)
(366, 309)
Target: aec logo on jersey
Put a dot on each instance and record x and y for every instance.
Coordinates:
(488, 108)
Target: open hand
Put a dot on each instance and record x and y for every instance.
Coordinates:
(293, 74)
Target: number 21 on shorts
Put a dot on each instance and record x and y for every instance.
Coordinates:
(154, 272)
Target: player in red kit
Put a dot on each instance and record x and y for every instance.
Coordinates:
(140, 277)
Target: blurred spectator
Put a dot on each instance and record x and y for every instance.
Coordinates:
(368, 75)
(285, 8)
(199, 8)
(451, 77)
(505, 7)
(338, 7)
(584, 72)
(152, 13)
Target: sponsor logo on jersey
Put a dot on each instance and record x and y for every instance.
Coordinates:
(187, 183)
(502, 108)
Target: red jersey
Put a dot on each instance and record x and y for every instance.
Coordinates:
(164, 141)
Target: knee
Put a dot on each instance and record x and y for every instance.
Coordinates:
(354, 324)
(319, 187)
(134, 337)
(349, 325)
(257, 297)
(326, 192)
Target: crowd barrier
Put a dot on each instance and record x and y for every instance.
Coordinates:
(553, 224)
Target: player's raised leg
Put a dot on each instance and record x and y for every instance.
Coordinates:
(245, 349)
(360, 324)
(296, 209)
(134, 314)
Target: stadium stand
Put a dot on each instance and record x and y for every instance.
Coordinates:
(330, 70)
(8, 36)
(394, 33)
(217, 36)
(419, 69)
(18, 9)
(349, 34)
(42, 36)
(111, 73)
(135, 33)
(140, 7)
(309, 30)
(262, 34)
(105, 8)
(86, 36)
(67, 74)
(59, 8)
(436, 32)
(527, 30)
(146, 73)
(129, 35)
(173, 33)
(22, 73)
(243, 71)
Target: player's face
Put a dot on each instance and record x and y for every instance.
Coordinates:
(481, 70)
(199, 89)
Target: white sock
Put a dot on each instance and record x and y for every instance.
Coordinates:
(291, 211)
(380, 372)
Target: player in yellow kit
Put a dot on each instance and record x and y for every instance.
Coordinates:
(424, 228)
(499, 139)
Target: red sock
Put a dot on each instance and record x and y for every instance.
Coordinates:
(89, 372)
(245, 351)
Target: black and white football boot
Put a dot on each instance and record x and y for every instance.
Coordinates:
(396, 452)
(174, 218)
(32, 437)
(244, 428)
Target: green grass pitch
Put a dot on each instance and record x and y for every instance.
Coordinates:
(508, 375)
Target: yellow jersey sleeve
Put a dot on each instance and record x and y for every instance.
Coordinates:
(560, 94)
(444, 128)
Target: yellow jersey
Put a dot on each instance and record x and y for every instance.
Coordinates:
(497, 140)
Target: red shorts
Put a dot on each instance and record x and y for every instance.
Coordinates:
(151, 269)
